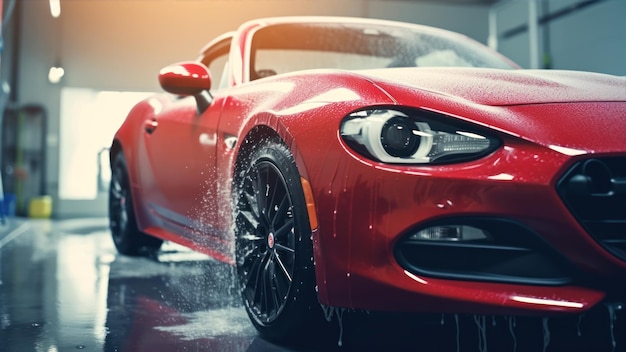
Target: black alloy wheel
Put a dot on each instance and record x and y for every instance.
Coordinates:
(273, 246)
(126, 236)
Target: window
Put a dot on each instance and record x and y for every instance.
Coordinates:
(215, 57)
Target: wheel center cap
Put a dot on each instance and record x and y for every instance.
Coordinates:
(270, 240)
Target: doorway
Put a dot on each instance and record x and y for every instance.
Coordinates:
(89, 120)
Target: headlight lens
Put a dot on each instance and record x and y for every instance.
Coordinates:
(393, 136)
(398, 137)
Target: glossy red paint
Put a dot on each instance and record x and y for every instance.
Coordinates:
(182, 172)
(185, 78)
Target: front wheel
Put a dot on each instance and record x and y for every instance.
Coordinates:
(274, 251)
(126, 236)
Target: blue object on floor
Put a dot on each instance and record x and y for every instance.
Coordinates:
(9, 204)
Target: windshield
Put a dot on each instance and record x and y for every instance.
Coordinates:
(283, 48)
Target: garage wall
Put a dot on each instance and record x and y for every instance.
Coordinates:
(592, 38)
(470, 20)
(121, 45)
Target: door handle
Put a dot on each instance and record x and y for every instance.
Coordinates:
(150, 125)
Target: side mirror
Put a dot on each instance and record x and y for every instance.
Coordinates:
(185, 78)
(188, 78)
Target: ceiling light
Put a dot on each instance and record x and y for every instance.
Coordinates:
(55, 8)
(55, 74)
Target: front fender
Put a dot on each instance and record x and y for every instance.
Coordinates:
(310, 129)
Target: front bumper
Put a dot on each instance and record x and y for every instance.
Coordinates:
(367, 210)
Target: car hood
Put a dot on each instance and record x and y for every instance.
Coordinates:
(494, 87)
(578, 112)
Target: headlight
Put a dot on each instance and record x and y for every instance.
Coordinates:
(393, 136)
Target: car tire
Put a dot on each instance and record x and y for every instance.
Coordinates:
(273, 247)
(126, 236)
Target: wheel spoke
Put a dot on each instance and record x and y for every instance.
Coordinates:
(282, 210)
(280, 247)
(123, 216)
(284, 270)
(285, 230)
(116, 191)
(255, 278)
(250, 220)
(261, 192)
(271, 193)
(248, 200)
(271, 297)
(118, 180)
(250, 251)
(251, 204)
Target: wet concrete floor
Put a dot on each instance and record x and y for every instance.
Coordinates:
(63, 287)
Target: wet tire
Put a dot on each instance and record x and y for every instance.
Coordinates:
(274, 251)
(126, 236)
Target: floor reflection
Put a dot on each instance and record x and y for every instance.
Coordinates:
(179, 300)
(65, 288)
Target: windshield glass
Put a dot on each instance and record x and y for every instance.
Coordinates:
(283, 48)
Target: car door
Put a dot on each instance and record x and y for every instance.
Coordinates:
(180, 145)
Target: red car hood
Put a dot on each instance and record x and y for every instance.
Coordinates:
(557, 109)
(508, 87)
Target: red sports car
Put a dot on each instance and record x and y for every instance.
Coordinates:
(369, 164)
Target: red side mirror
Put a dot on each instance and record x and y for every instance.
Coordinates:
(185, 78)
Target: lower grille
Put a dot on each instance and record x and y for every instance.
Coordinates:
(594, 190)
(508, 252)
